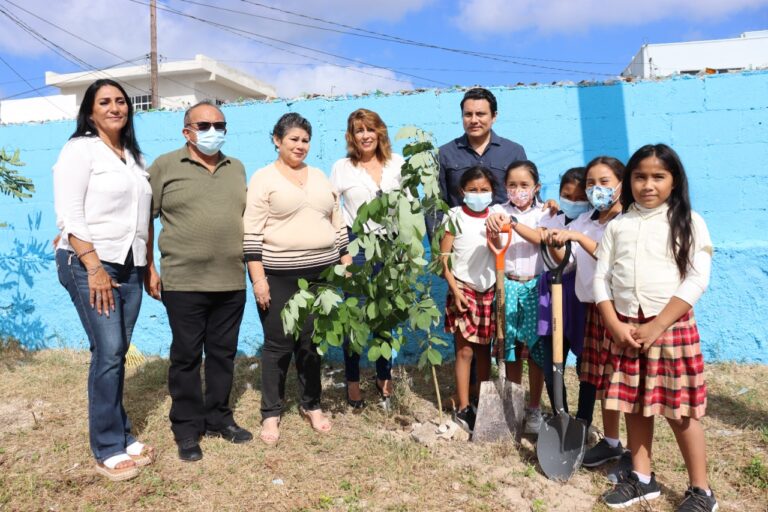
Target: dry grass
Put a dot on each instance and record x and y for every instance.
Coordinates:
(367, 463)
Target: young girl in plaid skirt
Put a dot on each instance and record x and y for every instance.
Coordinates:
(653, 265)
(471, 279)
(603, 189)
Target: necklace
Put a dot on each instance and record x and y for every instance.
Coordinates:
(119, 152)
(292, 174)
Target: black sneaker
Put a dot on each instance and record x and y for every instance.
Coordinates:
(696, 500)
(465, 418)
(631, 491)
(189, 450)
(621, 469)
(601, 453)
(232, 433)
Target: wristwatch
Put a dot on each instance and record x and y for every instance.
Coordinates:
(513, 220)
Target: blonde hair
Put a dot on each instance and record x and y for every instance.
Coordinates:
(369, 119)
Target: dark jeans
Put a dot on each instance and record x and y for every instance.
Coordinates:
(280, 347)
(352, 359)
(202, 322)
(109, 428)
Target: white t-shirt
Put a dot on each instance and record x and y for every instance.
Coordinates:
(587, 224)
(356, 187)
(100, 199)
(523, 258)
(471, 260)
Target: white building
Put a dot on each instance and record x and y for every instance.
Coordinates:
(180, 84)
(748, 51)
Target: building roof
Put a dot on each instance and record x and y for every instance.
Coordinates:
(226, 75)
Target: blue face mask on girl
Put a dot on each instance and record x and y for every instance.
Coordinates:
(573, 209)
(478, 201)
(601, 197)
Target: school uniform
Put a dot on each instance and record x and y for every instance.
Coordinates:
(472, 265)
(636, 270)
(523, 266)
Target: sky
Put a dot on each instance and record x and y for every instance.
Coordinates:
(335, 47)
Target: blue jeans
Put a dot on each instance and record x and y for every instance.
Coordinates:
(352, 359)
(108, 425)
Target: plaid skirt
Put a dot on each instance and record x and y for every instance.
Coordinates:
(477, 324)
(597, 346)
(667, 380)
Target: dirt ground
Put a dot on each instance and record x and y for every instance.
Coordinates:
(368, 462)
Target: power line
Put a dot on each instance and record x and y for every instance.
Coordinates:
(29, 84)
(147, 91)
(417, 43)
(241, 32)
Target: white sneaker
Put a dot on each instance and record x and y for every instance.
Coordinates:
(532, 421)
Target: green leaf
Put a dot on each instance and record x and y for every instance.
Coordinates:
(374, 353)
(406, 132)
(386, 351)
(303, 284)
(371, 310)
(435, 358)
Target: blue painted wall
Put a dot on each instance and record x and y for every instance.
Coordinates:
(718, 124)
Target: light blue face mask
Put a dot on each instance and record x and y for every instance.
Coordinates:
(573, 209)
(478, 201)
(210, 142)
(601, 197)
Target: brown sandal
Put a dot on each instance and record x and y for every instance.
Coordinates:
(270, 438)
(118, 474)
(145, 458)
(323, 427)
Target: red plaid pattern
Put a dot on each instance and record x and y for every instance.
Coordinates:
(668, 380)
(477, 324)
(597, 346)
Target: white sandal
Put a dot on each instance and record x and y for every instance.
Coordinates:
(109, 468)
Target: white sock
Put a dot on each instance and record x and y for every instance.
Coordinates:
(613, 443)
(134, 448)
(644, 479)
(114, 460)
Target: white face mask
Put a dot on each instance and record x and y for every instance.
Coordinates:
(210, 142)
(478, 201)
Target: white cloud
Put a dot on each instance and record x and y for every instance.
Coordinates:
(333, 80)
(485, 17)
(123, 29)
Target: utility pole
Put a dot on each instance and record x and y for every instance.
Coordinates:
(153, 53)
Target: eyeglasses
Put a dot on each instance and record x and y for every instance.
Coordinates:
(204, 126)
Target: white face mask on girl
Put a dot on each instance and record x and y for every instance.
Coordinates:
(478, 201)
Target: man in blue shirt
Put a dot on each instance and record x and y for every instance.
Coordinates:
(478, 146)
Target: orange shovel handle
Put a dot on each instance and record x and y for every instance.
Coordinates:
(501, 251)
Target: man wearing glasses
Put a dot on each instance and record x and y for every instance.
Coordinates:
(199, 194)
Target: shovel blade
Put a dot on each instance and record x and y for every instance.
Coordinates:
(560, 448)
(500, 412)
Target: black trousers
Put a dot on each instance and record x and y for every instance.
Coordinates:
(202, 322)
(279, 348)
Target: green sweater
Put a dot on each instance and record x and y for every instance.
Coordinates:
(201, 242)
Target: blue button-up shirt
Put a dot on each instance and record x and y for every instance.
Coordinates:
(457, 156)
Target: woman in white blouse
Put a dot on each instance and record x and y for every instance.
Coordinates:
(102, 200)
(369, 169)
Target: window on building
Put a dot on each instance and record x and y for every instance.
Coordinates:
(143, 102)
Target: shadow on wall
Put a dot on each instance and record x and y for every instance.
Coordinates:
(603, 121)
(19, 264)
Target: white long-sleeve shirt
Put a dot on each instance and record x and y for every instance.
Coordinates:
(356, 187)
(636, 269)
(100, 199)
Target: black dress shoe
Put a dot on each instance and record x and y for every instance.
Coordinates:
(231, 433)
(189, 450)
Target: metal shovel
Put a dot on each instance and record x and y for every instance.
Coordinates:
(560, 447)
(501, 408)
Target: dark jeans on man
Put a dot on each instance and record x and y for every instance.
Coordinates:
(109, 428)
(280, 347)
(202, 322)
